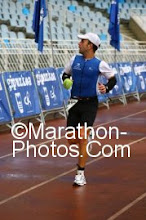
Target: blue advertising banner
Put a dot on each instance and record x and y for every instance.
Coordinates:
(140, 72)
(117, 90)
(102, 98)
(5, 114)
(48, 86)
(128, 78)
(66, 93)
(23, 94)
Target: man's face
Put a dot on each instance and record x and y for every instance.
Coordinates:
(84, 46)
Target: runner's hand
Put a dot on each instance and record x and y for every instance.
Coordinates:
(101, 88)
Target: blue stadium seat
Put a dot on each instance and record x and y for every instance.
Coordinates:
(103, 37)
(72, 8)
(25, 11)
(6, 41)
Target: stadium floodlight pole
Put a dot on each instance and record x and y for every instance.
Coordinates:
(53, 60)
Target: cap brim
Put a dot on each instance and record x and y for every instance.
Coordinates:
(82, 36)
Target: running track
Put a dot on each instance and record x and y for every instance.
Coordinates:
(41, 188)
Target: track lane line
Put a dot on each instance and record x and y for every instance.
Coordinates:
(56, 177)
(124, 209)
(115, 120)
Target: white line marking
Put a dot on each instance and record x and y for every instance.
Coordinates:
(127, 207)
(56, 177)
(11, 154)
(115, 120)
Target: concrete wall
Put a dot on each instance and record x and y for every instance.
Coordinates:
(138, 26)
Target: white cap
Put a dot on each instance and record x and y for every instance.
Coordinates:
(93, 38)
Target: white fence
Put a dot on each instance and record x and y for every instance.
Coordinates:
(18, 55)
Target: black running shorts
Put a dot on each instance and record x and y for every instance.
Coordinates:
(83, 111)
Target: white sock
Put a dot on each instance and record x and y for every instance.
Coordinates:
(80, 172)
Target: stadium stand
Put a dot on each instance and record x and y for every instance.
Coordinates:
(67, 19)
(75, 15)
